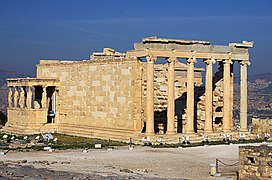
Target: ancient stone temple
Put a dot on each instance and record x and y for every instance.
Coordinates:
(128, 95)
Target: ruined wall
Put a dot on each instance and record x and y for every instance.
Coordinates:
(217, 103)
(161, 94)
(255, 162)
(96, 97)
(261, 126)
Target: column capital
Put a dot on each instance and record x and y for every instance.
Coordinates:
(209, 61)
(227, 61)
(151, 58)
(171, 59)
(244, 63)
(191, 60)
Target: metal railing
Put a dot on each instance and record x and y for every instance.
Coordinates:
(217, 161)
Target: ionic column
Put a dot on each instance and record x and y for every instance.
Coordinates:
(150, 94)
(16, 96)
(22, 97)
(44, 98)
(189, 126)
(226, 94)
(209, 96)
(243, 98)
(29, 97)
(10, 96)
(231, 94)
(171, 96)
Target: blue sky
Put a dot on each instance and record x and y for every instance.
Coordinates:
(67, 29)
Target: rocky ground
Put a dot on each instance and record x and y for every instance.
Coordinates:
(24, 170)
(121, 163)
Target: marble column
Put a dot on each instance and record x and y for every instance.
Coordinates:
(243, 97)
(226, 94)
(209, 96)
(29, 97)
(231, 94)
(150, 95)
(16, 96)
(10, 96)
(54, 104)
(44, 98)
(171, 96)
(189, 126)
(22, 97)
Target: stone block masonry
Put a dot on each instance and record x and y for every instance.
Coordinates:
(255, 162)
(97, 94)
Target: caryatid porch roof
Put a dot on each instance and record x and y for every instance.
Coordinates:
(32, 81)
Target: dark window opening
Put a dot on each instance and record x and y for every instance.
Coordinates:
(218, 120)
(51, 100)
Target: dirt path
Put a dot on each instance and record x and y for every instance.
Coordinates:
(139, 163)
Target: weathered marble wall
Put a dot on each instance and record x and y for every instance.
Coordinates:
(96, 95)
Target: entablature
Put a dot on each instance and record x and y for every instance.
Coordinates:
(188, 54)
(162, 47)
(32, 82)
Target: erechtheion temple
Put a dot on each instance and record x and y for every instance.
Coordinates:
(128, 95)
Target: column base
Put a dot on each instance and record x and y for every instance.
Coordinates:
(227, 130)
(208, 132)
(150, 137)
(243, 130)
(189, 133)
(170, 132)
(150, 133)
